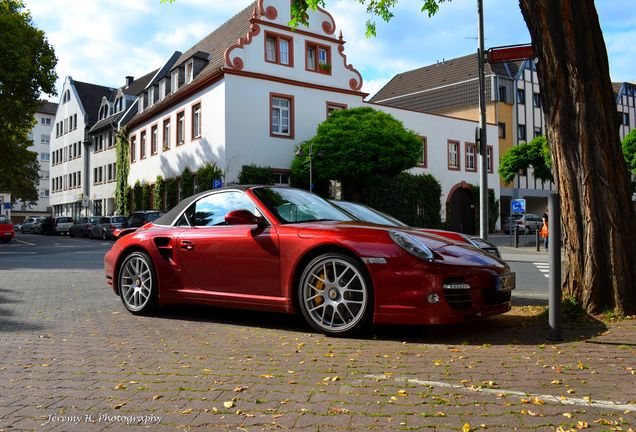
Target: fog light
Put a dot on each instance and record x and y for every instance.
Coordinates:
(433, 298)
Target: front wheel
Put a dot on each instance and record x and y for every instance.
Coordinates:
(335, 295)
(137, 283)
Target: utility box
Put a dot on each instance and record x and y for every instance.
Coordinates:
(5, 204)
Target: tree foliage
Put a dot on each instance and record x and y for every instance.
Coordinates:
(145, 196)
(27, 69)
(356, 144)
(253, 174)
(629, 150)
(157, 194)
(172, 193)
(535, 154)
(187, 183)
(206, 176)
(122, 168)
(137, 196)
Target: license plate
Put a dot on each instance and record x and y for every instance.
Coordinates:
(505, 282)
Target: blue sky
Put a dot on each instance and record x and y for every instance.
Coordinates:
(102, 41)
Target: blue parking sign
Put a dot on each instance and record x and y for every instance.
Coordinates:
(217, 183)
(517, 206)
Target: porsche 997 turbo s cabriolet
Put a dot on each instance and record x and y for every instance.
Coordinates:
(286, 250)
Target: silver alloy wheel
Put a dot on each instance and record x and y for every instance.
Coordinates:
(135, 283)
(334, 294)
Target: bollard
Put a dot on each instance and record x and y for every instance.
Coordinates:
(554, 246)
(516, 238)
(536, 234)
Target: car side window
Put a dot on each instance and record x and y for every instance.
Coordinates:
(212, 209)
(137, 219)
(103, 220)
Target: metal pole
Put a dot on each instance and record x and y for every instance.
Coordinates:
(483, 141)
(554, 246)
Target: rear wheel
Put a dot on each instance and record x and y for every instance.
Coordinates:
(137, 284)
(335, 295)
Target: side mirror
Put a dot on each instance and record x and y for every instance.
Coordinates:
(243, 217)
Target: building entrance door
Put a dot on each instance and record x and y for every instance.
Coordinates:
(462, 211)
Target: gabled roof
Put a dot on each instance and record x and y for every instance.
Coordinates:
(138, 85)
(47, 107)
(215, 45)
(445, 73)
(91, 98)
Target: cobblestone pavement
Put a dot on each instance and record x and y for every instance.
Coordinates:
(75, 360)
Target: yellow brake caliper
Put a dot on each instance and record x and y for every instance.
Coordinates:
(320, 285)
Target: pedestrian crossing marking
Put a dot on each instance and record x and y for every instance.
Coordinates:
(543, 268)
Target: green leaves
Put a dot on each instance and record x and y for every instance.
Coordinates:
(535, 154)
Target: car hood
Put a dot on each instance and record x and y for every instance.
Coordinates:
(445, 249)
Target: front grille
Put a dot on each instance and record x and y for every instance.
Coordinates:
(457, 294)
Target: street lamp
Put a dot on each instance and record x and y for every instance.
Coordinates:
(301, 153)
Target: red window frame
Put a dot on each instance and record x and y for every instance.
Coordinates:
(458, 167)
(277, 37)
(316, 68)
(192, 134)
(489, 154)
(291, 115)
(474, 147)
(336, 105)
(142, 145)
(176, 129)
(154, 138)
(424, 162)
(165, 143)
(133, 149)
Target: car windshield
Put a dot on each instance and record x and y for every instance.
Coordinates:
(368, 214)
(152, 216)
(3, 219)
(515, 217)
(118, 219)
(294, 205)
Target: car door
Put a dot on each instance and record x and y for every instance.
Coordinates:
(217, 257)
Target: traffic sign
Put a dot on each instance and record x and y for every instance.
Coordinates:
(217, 183)
(509, 53)
(518, 206)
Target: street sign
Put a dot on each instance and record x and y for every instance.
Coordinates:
(518, 206)
(509, 53)
(217, 183)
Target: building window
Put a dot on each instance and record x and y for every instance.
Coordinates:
(453, 155)
(153, 140)
(471, 150)
(334, 106)
(502, 130)
(317, 58)
(189, 72)
(45, 139)
(422, 160)
(536, 100)
(625, 119)
(521, 96)
(66, 97)
(79, 179)
(521, 133)
(151, 96)
(162, 89)
(282, 115)
(489, 150)
(74, 121)
(537, 132)
(133, 149)
(44, 156)
(196, 121)
(44, 175)
(79, 148)
(166, 134)
(503, 94)
(278, 49)
(142, 145)
(281, 177)
(174, 80)
(180, 128)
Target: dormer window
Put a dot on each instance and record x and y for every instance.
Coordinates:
(151, 96)
(174, 80)
(318, 58)
(189, 71)
(103, 111)
(162, 89)
(141, 102)
(66, 97)
(119, 103)
(278, 49)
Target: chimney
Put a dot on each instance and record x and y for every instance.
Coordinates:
(129, 80)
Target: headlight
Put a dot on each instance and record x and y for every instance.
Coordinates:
(412, 245)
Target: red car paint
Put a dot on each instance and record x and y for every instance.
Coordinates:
(258, 267)
(6, 229)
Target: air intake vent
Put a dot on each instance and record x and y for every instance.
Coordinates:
(457, 293)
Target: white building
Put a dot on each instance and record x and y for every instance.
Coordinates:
(69, 177)
(254, 89)
(41, 137)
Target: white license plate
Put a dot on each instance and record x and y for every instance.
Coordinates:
(505, 282)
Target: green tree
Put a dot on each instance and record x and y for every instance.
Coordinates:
(629, 150)
(172, 193)
(357, 144)
(122, 168)
(535, 154)
(158, 193)
(145, 196)
(27, 69)
(137, 197)
(589, 168)
(206, 176)
(187, 183)
(253, 174)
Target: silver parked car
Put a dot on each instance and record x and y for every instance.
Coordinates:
(105, 227)
(527, 223)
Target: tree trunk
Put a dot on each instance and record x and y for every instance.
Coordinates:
(589, 168)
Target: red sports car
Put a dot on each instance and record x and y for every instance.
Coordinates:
(286, 250)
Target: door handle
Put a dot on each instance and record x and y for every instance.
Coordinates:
(186, 244)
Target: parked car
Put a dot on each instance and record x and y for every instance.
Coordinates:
(29, 223)
(53, 225)
(36, 228)
(369, 214)
(6, 229)
(136, 220)
(286, 250)
(82, 225)
(527, 223)
(106, 226)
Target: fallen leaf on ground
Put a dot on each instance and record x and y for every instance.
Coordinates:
(582, 425)
(402, 393)
(466, 427)
(156, 397)
(121, 386)
(567, 415)
(239, 389)
(187, 411)
(119, 405)
(228, 404)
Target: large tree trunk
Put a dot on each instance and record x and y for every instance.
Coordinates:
(589, 168)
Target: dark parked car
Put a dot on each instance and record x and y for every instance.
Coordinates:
(137, 220)
(55, 225)
(106, 225)
(36, 228)
(82, 226)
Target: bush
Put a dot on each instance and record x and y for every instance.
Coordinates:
(253, 174)
(158, 193)
(413, 199)
(145, 196)
(137, 198)
(206, 176)
(187, 183)
(172, 191)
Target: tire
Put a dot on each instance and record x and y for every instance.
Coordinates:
(137, 283)
(335, 295)
(70, 233)
(90, 235)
